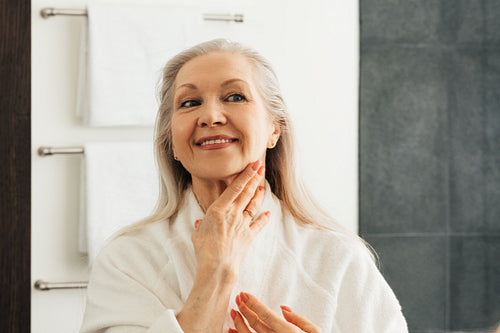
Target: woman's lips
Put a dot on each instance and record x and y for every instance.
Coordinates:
(215, 142)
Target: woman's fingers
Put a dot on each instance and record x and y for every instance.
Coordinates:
(259, 223)
(263, 320)
(258, 315)
(249, 192)
(253, 206)
(242, 189)
(299, 320)
(234, 190)
(239, 323)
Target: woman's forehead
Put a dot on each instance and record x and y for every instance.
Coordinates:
(216, 66)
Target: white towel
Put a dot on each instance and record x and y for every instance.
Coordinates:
(123, 50)
(119, 186)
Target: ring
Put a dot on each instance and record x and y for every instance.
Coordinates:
(249, 213)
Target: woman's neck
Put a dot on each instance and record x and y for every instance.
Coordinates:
(207, 191)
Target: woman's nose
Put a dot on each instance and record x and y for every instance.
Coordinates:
(212, 114)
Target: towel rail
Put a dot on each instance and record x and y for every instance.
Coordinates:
(44, 285)
(48, 12)
(47, 151)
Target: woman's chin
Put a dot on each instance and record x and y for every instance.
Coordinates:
(226, 177)
(218, 173)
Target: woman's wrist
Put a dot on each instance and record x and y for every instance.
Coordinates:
(218, 273)
(206, 306)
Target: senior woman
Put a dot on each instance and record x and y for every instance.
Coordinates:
(235, 243)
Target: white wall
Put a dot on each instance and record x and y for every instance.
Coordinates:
(314, 47)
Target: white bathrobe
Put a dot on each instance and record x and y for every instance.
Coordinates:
(140, 281)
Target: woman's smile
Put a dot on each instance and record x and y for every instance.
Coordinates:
(215, 142)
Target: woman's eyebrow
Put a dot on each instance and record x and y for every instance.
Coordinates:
(231, 81)
(187, 85)
(223, 84)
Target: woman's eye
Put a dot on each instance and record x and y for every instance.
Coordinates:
(189, 104)
(236, 98)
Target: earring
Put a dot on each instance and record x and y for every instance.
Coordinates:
(176, 158)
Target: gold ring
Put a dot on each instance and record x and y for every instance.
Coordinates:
(249, 213)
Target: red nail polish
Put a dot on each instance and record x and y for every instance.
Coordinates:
(286, 308)
(268, 213)
(261, 170)
(233, 314)
(256, 166)
(196, 223)
(261, 188)
(244, 297)
(238, 300)
(232, 330)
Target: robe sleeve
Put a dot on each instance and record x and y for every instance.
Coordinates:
(366, 303)
(120, 300)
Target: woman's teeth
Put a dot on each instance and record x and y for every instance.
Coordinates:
(212, 142)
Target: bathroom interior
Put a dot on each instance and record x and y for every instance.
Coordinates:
(396, 110)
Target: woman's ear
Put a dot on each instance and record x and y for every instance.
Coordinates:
(175, 154)
(275, 135)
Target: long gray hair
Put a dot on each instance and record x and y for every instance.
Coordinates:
(281, 170)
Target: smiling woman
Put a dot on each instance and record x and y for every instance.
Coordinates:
(220, 123)
(235, 242)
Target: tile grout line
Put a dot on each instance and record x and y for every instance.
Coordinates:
(435, 234)
(447, 313)
(448, 142)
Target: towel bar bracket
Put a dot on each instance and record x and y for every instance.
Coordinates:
(48, 151)
(49, 12)
(44, 286)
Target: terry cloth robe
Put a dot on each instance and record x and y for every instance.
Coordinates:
(140, 281)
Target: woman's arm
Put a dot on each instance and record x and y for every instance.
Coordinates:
(221, 241)
(205, 308)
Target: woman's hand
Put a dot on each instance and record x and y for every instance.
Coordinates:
(222, 238)
(221, 241)
(263, 320)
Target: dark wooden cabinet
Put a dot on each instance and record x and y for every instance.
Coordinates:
(15, 165)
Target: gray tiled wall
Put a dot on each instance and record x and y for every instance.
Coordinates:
(430, 157)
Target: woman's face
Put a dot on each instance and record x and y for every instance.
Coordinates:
(219, 123)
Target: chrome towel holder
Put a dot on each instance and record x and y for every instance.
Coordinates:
(45, 286)
(49, 12)
(48, 151)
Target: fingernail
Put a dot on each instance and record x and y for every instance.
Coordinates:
(244, 297)
(268, 213)
(232, 330)
(196, 223)
(233, 314)
(256, 165)
(261, 170)
(261, 188)
(238, 300)
(286, 308)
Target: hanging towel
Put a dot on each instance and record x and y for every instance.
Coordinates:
(123, 49)
(119, 186)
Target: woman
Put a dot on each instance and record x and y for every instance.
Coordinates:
(234, 237)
